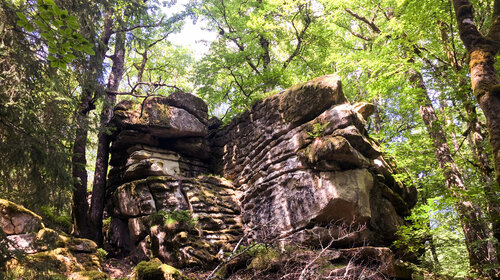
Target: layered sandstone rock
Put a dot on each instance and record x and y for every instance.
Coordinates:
(300, 163)
(164, 203)
(303, 159)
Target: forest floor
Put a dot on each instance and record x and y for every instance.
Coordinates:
(119, 268)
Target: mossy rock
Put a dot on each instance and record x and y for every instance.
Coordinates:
(15, 219)
(305, 101)
(93, 275)
(54, 264)
(51, 239)
(156, 270)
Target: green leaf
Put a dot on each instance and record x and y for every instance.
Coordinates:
(49, 2)
(71, 56)
(88, 49)
(58, 23)
(29, 27)
(21, 16)
(72, 22)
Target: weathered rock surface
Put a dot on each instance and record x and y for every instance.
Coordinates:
(301, 166)
(303, 158)
(44, 251)
(15, 219)
(185, 221)
(163, 203)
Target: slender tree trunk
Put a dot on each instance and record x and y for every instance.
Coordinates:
(78, 161)
(102, 158)
(449, 123)
(432, 247)
(490, 188)
(469, 215)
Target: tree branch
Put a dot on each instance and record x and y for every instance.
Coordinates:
(494, 32)
(140, 26)
(134, 88)
(371, 24)
(466, 27)
(299, 36)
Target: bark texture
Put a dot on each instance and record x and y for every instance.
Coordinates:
(102, 158)
(485, 84)
(470, 215)
(91, 88)
(80, 205)
(482, 50)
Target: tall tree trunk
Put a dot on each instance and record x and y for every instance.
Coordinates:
(102, 158)
(469, 215)
(490, 187)
(90, 88)
(78, 161)
(482, 51)
(476, 141)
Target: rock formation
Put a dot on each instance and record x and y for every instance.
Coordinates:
(164, 203)
(303, 159)
(299, 164)
(29, 250)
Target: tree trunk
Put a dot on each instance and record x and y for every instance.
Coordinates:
(90, 87)
(485, 85)
(80, 205)
(469, 215)
(490, 187)
(102, 158)
(377, 121)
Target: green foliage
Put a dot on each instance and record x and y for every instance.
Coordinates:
(166, 218)
(435, 223)
(55, 219)
(58, 28)
(261, 46)
(36, 107)
(317, 130)
(101, 253)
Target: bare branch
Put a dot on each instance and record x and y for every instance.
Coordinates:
(139, 84)
(299, 35)
(140, 26)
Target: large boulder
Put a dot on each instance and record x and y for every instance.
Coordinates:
(182, 221)
(180, 115)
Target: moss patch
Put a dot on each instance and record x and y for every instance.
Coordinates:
(155, 270)
(167, 218)
(94, 275)
(11, 208)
